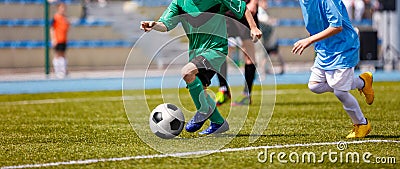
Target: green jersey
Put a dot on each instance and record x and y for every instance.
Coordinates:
(205, 26)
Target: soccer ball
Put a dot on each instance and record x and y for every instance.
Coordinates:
(166, 121)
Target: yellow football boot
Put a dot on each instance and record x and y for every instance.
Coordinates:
(360, 130)
(222, 97)
(367, 90)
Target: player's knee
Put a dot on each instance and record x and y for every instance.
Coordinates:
(315, 87)
(340, 94)
(319, 87)
(189, 72)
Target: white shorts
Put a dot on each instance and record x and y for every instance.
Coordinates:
(339, 79)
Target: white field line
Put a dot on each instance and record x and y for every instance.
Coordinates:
(205, 152)
(71, 100)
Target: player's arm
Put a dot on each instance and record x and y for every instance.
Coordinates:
(302, 44)
(252, 6)
(334, 18)
(52, 34)
(167, 21)
(52, 37)
(239, 8)
(147, 26)
(254, 31)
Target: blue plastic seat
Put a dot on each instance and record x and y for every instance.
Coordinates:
(71, 44)
(2, 45)
(33, 1)
(287, 42)
(283, 3)
(153, 3)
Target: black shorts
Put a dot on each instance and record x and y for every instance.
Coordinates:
(60, 47)
(239, 27)
(206, 71)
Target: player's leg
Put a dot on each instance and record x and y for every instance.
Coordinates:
(196, 91)
(250, 59)
(359, 8)
(223, 95)
(364, 84)
(319, 87)
(59, 61)
(349, 7)
(196, 79)
(280, 57)
(262, 66)
(217, 123)
(63, 63)
(351, 106)
(272, 47)
(249, 71)
(56, 62)
(341, 81)
(317, 83)
(361, 126)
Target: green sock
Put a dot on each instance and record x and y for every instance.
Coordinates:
(216, 116)
(196, 90)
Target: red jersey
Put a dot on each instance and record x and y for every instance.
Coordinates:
(60, 26)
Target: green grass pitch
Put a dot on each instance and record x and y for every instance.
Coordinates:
(62, 127)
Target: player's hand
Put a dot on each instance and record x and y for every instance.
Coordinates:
(255, 34)
(300, 45)
(147, 26)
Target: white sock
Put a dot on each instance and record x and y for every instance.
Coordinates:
(351, 106)
(320, 87)
(358, 83)
(63, 65)
(56, 65)
(223, 88)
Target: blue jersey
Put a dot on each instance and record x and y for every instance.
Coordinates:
(340, 50)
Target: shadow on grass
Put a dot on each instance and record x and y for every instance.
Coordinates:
(306, 103)
(288, 135)
(383, 136)
(262, 135)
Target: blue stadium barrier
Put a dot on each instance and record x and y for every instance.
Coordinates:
(287, 42)
(35, 1)
(271, 3)
(283, 3)
(364, 22)
(290, 22)
(107, 83)
(29, 44)
(290, 42)
(5, 44)
(40, 22)
(300, 22)
(153, 3)
(89, 23)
